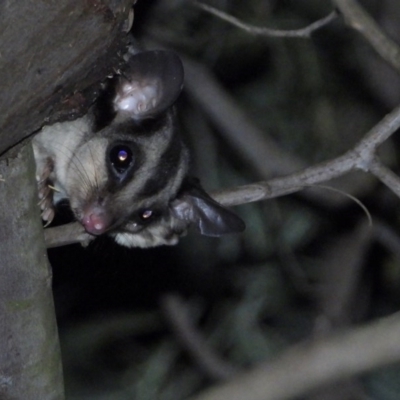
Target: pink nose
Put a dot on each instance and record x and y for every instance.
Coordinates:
(94, 220)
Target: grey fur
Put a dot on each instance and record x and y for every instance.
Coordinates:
(126, 178)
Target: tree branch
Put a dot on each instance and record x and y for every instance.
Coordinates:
(261, 31)
(308, 366)
(51, 54)
(358, 19)
(386, 176)
(256, 147)
(361, 157)
(30, 360)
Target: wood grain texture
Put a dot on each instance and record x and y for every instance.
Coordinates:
(52, 56)
(50, 50)
(30, 366)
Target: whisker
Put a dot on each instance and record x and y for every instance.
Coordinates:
(96, 185)
(54, 188)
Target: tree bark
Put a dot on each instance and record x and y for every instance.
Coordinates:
(30, 364)
(49, 51)
(52, 54)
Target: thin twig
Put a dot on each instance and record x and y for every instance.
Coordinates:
(362, 157)
(261, 31)
(386, 176)
(387, 237)
(357, 18)
(309, 366)
(256, 147)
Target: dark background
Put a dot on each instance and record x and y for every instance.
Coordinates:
(251, 295)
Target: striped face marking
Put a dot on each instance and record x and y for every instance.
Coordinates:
(123, 171)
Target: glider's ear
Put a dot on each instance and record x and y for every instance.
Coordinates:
(151, 84)
(210, 218)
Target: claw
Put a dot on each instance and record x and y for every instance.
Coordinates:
(48, 216)
(54, 188)
(48, 223)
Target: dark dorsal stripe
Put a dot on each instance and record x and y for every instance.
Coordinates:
(167, 168)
